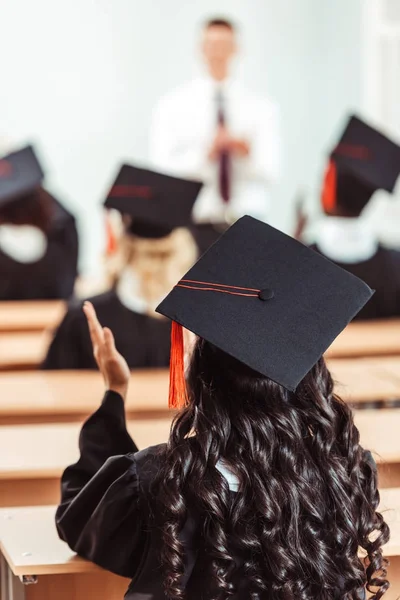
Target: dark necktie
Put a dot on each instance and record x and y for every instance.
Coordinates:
(224, 158)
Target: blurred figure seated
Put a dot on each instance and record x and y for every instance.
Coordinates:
(38, 236)
(363, 162)
(148, 253)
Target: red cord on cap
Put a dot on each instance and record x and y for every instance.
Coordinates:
(178, 396)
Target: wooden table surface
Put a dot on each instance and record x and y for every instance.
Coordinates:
(33, 457)
(30, 544)
(37, 451)
(366, 379)
(32, 451)
(57, 396)
(23, 350)
(367, 338)
(33, 315)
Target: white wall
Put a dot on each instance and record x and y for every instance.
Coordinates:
(82, 77)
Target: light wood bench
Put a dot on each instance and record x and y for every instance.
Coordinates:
(66, 396)
(30, 315)
(33, 457)
(23, 350)
(59, 396)
(367, 338)
(364, 380)
(31, 549)
(380, 433)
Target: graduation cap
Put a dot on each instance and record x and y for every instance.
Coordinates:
(363, 161)
(265, 299)
(157, 203)
(20, 174)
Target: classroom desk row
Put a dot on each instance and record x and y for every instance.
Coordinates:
(23, 344)
(57, 396)
(30, 315)
(33, 457)
(32, 552)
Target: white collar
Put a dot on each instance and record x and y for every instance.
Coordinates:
(128, 293)
(230, 477)
(23, 243)
(346, 240)
(225, 86)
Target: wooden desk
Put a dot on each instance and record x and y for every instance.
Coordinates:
(367, 338)
(364, 380)
(30, 547)
(33, 457)
(380, 433)
(20, 350)
(35, 315)
(65, 396)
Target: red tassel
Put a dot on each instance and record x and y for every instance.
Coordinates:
(111, 242)
(329, 189)
(178, 397)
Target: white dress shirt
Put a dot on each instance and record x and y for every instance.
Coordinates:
(183, 130)
(346, 240)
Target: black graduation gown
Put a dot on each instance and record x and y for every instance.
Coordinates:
(382, 273)
(206, 234)
(144, 341)
(108, 512)
(52, 276)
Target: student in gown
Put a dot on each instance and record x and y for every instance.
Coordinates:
(262, 490)
(154, 250)
(363, 161)
(38, 236)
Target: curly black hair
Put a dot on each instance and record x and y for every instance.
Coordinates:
(308, 496)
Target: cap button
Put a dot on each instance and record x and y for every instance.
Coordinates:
(266, 294)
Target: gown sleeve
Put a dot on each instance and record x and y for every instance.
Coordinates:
(99, 515)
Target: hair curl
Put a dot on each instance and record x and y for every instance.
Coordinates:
(308, 493)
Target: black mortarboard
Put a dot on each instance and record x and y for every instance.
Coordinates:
(20, 174)
(363, 161)
(265, 299)
(157, 203)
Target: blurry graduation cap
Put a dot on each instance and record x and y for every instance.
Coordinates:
(157, 203)
(20, 174)
(265, 299)
(363, 161)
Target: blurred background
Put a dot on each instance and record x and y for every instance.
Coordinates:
(80, 80)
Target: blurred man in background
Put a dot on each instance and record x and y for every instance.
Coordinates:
(215, 130)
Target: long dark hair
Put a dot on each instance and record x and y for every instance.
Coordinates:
(35, 208)
(308, 493)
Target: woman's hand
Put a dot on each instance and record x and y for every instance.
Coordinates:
(112, 365)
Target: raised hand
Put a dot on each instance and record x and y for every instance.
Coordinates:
(111, 363)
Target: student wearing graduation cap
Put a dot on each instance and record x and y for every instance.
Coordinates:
(38, 236)
(262, 490)
(154, 250)
(363, 161)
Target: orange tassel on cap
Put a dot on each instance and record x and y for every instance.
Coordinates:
(329, 189)
(111, 242)
(178, 397)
